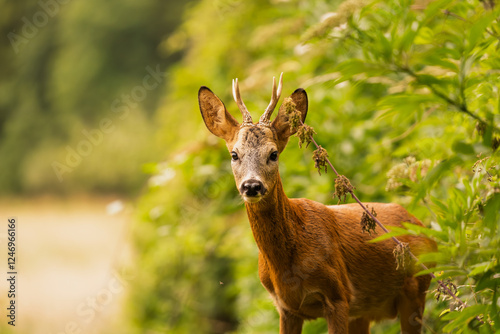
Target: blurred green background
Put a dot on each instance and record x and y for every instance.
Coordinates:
(66, 67)
(99, 114)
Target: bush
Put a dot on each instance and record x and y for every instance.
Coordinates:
(405, 99)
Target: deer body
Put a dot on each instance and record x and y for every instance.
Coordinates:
(314, 260)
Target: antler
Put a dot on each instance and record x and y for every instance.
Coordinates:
(247, 118)
(266, 117)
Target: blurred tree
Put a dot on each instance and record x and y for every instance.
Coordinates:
(63, 65)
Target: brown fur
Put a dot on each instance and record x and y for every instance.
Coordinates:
(314, 259)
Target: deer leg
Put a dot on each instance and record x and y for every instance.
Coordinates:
(289, 323)
(410, 313)
(337, 317)
(359, 326)
(411, 306)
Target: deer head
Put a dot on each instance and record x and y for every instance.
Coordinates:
(254, 147)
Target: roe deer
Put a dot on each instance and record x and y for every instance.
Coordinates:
(314, 259)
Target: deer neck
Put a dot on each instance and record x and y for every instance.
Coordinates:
(272, 223)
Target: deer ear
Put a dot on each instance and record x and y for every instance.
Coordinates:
(280, 123)
(217, 119)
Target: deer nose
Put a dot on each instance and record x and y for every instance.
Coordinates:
(252, 188)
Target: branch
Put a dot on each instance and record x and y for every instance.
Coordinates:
(399, 243)
(462, 107)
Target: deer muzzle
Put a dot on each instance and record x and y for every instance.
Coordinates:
(252, 190)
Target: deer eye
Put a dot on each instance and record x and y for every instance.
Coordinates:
(234, 156)
(274, 156)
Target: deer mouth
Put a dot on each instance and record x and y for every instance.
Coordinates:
(252, 199)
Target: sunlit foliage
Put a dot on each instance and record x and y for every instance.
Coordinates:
(403, 96)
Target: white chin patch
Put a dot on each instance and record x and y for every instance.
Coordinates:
(252, 199)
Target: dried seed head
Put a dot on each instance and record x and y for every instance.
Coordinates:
(319, 156)
(289, 105)
(305, 133)
(394, 176)
(334, 20)
(368, 223)
(481, 128)
(402, 254)
(495, 142)
(479, 164)
(409, 169)
(294, 116)
(410, 160)
(443, 288)
(343, 187)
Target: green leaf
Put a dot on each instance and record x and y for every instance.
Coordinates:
(438, 57)
(492, 213)
(488, 281)
(467, 186)
(394, 232)
(494, 309)
(435, 8)
(407, 40)
(426, 231)
(439, 204)
(470, 311)
(461, 319)
(386, 46)
(437, 257)
(353, 67)
(429, 80)
(480, 268)
(478, 30)
(424, 36)
(403, 105)
(459, 146)
(441, 169)
(444, 312)
(448, 271)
